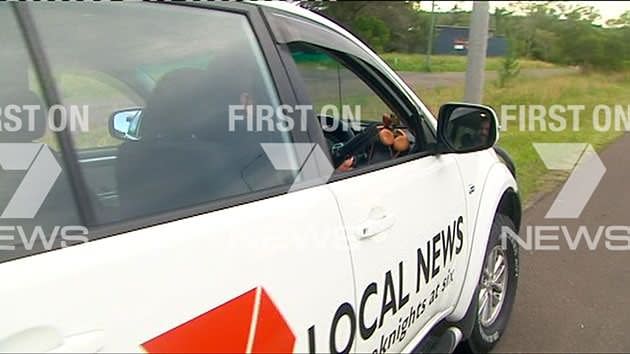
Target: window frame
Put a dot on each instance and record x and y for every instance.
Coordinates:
(41, 66)
(287, 27)
(372, 76)
(353, 65)
(279, 78)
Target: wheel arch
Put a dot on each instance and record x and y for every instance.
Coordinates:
(499, 195)
(510, 206)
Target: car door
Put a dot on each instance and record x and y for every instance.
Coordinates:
(203, 249)
(405, 216)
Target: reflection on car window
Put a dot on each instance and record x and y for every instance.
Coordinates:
(179, 150)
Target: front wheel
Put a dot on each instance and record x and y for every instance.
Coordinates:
(496, 290)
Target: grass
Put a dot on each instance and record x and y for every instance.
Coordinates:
(449, 63)
(570, 89)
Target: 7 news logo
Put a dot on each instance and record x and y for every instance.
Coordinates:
(42, 171)
(587, 170)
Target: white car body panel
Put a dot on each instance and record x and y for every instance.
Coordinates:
(474, 167)
(303, 249)
(411, 193)
(135, 286)
(497, 181)
(476, 164)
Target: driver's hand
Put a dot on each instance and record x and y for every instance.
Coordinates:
(346, 165)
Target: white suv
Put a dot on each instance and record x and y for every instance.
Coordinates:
(211, 189)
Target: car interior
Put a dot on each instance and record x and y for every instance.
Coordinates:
(184, 154)
(181, 155)
(335, 78)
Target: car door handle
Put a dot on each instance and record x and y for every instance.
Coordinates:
(378, 222)
(49, 340)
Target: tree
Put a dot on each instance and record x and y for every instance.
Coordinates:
(510, 67)
(403, 23)
(553, 31)
(372, 30)
(501, 21)
(621, 21)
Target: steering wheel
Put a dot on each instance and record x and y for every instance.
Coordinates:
(345, 143)
(336, 130)
(356, 145)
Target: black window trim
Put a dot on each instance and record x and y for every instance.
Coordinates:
(51, 97)
(279, 79)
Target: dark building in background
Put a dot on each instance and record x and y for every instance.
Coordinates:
(454, 40)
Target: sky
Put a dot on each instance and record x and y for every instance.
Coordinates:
(608, 9)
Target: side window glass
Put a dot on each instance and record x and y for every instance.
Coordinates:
(158, 98)
(89, 97)
(347, 106)
(330, 83)
(36, 201)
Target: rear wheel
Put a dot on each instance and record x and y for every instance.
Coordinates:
(496, 290)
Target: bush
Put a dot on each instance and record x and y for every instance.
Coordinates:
(510, 66)
(372, 30)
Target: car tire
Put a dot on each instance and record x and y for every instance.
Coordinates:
(490, 325)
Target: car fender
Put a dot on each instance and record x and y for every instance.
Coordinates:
(498, 181)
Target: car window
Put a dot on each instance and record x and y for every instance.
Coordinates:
(91, 97)
(158, 82)
(337, 92)
(35, 195)
(329, 82)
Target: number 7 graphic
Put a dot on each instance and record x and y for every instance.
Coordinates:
(588, 170)
(42, 171)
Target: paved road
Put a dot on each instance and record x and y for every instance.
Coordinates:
(577, 301)
(432, 80)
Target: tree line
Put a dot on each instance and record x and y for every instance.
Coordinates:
(553, 31)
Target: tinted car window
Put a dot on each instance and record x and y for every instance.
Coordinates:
(171, 73)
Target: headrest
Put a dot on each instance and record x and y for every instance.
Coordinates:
(177, 104)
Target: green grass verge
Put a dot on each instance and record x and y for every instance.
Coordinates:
(449, 63)
(571, 89)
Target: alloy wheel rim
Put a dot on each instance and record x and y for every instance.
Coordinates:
(493, 286)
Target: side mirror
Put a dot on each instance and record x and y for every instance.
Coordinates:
(466, 127)
(124, 124)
